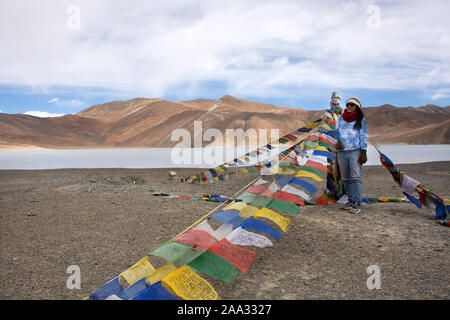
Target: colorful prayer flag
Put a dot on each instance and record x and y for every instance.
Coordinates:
(278, 219)
(241, 258)
(215, 266)
(188, 285)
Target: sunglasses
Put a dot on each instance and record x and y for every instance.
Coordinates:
(351, 104)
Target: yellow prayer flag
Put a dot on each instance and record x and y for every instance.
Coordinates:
(312, 125)
(320, 148)
(188, 285)
(327, 198)
(303, 173)
(160, 273)
(235, 206)
(326, 126)
(244, 171)
(138, 271)
(301, 146)
(275, 169)
(281, 221)
(287, 171)
(446, 201)
(248, 212)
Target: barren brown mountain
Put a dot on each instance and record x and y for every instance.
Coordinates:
(149, 123)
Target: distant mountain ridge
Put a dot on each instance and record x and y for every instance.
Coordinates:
(143, 122)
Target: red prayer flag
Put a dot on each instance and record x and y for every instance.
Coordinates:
(290, 137)
(321, 201)
(313, 138)
(241, 258)
(316, 165)
(261, 190)
(199, 239)
(268, 193)
(291, 160)
(257, 189)
(289, 197)
(326, 141)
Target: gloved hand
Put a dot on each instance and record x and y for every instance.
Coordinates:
(362, 157)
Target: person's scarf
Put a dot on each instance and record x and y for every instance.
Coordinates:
(349, 116)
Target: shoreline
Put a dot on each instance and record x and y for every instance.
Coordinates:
(7, 148)
(195, 169)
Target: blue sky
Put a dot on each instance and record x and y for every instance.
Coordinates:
(59, 57)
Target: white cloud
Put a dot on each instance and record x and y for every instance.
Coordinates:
(67, 103)
(441, 94)
(251, 47)
(43, 114)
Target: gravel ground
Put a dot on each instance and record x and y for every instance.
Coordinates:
(105, 220)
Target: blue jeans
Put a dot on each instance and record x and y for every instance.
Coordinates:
(351, 174)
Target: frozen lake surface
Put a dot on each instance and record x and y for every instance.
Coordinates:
(175, 158)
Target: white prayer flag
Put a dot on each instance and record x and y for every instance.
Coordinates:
(298, 192)
(246, 238)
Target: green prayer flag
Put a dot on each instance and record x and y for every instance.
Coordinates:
(215, 266)
(247, 197)
(287, 164)
(253, 170)
(311, 144)
(176, 253)
(327, 145)
(287, 207)
(312, 170)
(259, 201)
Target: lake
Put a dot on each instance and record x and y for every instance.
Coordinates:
(179, 158)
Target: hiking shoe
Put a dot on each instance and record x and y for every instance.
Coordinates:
(347, 206)
(356, 208)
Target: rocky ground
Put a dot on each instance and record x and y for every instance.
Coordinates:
(105, 220)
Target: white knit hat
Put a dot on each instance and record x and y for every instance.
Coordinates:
(355, 101)
(335, 97)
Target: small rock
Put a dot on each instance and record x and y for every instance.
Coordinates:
(31, 214)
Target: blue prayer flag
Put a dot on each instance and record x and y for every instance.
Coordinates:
(258, 225)
(282, 180)
(304, 184)
(133, 290)
(327, 154)
(230, 217)
(111, 287)
(155, 292)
